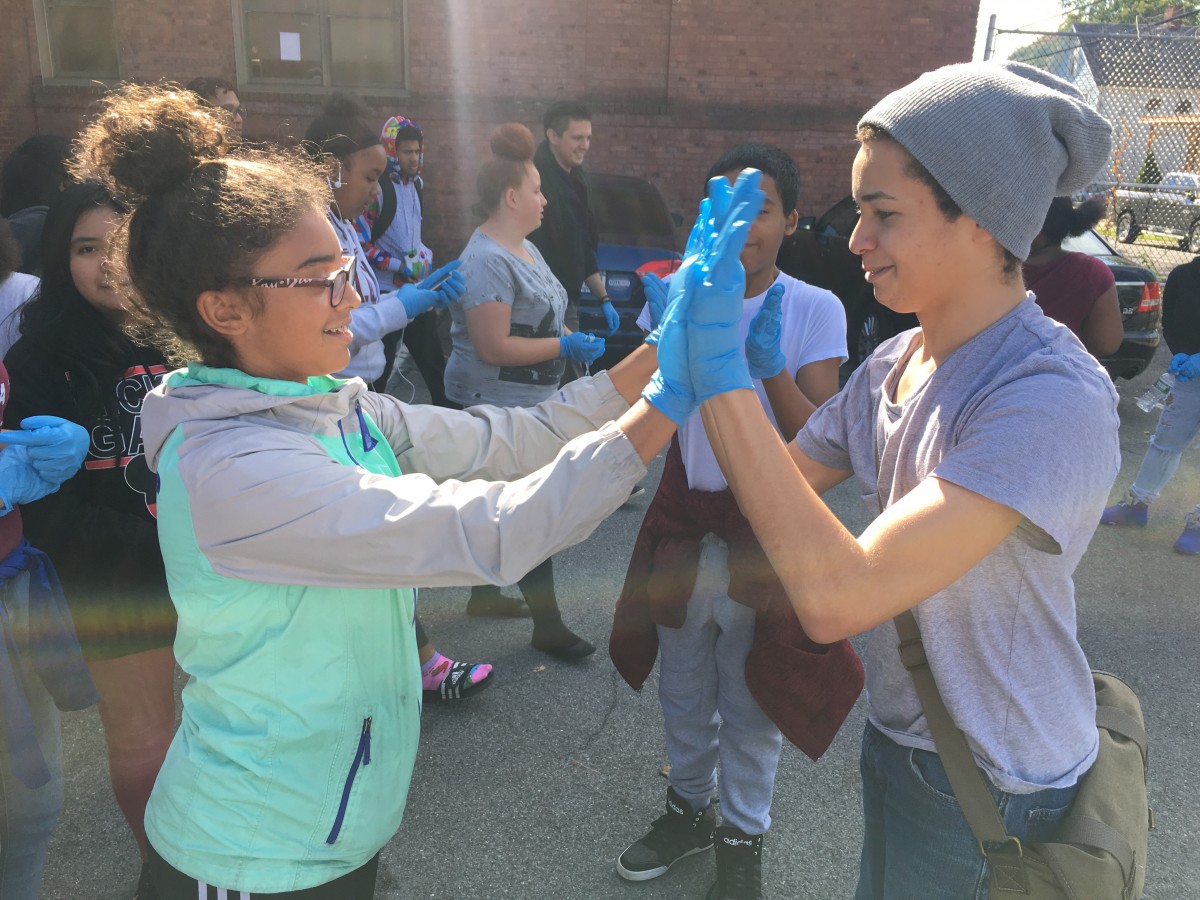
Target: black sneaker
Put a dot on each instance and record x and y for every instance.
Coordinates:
(739, 866)
(673, 836)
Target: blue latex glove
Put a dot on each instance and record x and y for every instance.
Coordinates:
(715, 287)
(581, 346)
(440, 288)
(670, 388)
(447, 281)
(1185, 367)
(56, 447)
(763, 355)
(19, 480)
(656, 302)
(610, 316)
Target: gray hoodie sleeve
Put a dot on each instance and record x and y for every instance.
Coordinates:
(278, 509)
(489, 442)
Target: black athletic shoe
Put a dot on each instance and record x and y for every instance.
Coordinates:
(678, 833)
(739, 866)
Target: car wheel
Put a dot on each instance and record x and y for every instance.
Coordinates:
(1192, 242)
(1127, 230)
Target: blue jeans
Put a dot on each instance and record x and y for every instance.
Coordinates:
(916, 843)
(1177, 428)
(27, 816)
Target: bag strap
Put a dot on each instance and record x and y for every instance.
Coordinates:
(970, 788)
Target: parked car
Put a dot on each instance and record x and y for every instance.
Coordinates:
(637, 232)
(1172, 208)
(819, 253)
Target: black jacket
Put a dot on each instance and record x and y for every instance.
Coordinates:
(568, 236)
(1181, 308)
(99, 528)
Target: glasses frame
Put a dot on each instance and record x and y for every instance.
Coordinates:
(345, 274)
(239, 111)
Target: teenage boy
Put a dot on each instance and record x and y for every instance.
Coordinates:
(390, 233)
(986, 442)
(795, 339)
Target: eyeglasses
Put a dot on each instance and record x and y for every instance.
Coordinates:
(335, 283)
(239, 111)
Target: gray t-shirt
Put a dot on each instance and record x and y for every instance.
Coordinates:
(1023, 415)
(538, 303)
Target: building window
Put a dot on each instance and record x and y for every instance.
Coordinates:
(322, 43)
(77, 40)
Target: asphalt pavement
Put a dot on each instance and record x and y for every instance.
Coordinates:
(530, 790)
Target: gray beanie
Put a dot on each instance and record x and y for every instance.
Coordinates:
(1003, 140)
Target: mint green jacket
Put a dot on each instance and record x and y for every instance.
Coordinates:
(293, 544)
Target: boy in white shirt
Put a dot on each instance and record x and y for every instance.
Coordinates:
(795, 340)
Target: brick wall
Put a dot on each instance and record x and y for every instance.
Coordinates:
(672, 83)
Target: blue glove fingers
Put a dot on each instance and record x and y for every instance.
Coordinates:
(720, 194)
(610, 316)
(42, 437)
(1177, 362)
(656, 298)
(431, 280)
(725, 266)
(696, 238)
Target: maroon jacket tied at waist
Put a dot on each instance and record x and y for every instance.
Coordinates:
(806, 688)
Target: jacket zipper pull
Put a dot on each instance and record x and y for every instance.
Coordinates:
(368, 440)
(366, 739)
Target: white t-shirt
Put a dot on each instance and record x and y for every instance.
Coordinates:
(14, 291)
(813, 328)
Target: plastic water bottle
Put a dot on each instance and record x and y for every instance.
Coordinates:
(1156, 395)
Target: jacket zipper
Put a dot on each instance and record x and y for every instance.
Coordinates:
(361, 758)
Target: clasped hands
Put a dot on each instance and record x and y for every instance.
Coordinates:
(700, 350)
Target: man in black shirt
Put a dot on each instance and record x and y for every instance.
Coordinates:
(568, 235)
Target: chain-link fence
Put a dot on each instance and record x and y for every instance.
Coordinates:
(1145, 79)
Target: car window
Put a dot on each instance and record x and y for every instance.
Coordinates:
(1089, 242)
(631, 212)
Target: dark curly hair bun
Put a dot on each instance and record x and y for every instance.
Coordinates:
(147, 140)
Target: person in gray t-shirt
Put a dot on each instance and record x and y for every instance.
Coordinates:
(509, 344)
(985, 441)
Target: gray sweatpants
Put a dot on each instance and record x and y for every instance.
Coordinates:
(708, 712)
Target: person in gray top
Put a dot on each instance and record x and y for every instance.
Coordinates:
(509, 342)
(985, 441)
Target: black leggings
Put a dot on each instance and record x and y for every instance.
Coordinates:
(538, 590)
(171, 884)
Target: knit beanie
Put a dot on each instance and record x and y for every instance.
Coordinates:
(1003, 140)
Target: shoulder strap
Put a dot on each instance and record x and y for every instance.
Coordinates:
(968, 782)
(387, 207)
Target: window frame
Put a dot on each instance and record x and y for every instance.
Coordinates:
(248, 82)
(46, 60)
